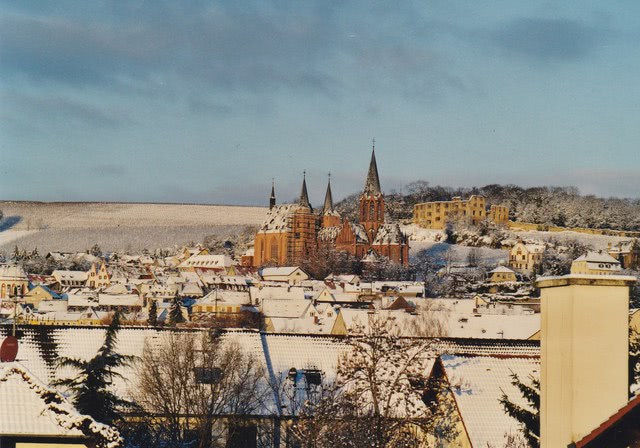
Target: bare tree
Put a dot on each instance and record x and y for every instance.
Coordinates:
(380, 397)
(198, 390)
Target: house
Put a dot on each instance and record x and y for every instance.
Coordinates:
(13, 281)
(69, 279)
(98, 278)
(626, 252)
(526, 258)
(222, 302)
(436, 215)
(34, 414)
(473, 387)
(202, 264)
(595, 263)
(289, 274)
(40, 293)
(502, 274)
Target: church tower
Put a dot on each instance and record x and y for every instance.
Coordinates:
(272, 198)
(330, 217)
(371, 200)
(304, 227)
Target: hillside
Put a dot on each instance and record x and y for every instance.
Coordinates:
(117, 226)
(559, 206)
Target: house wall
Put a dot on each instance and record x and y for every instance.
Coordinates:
(435, 215)
(584, 354)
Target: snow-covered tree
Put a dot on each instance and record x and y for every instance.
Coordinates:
(91, 387)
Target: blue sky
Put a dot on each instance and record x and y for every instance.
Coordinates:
(197, 101)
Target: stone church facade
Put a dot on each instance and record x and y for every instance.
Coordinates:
(292, 232)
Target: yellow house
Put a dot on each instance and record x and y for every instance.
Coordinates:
(499, 214)
(13, 281)
(595, 263)
(526, 258)
(40, 293)
(98, 278)
(436, 215)
(502, 274)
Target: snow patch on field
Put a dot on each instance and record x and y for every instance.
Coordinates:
(9, 237)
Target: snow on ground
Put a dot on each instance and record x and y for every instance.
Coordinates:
(431, 240)
(596, 241)
(9, 237)
(113, 226)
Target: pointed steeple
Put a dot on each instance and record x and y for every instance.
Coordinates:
(272, 198)
(304, 196)
(372, 186)
(328, 198)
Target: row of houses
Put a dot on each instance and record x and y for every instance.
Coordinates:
(582, 404)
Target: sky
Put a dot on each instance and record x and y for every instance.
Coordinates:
(207, 101)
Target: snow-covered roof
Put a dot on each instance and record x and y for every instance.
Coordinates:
(285, 307)
(329, 233)
(207, 262)
(477, 383)
(69, 276)
(226, 296)
(12, 272)
(597, 257)
(119, 300)
(276, 292)
(389, 234)
(502, 270)
(277, 219)
(281, 271)
(30, 408)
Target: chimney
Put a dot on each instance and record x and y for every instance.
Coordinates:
(584, 354)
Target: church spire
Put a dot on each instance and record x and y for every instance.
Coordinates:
(328, 198)
(304, 196)
(372, 186)
(272, 198)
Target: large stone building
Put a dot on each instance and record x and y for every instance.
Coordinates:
(436, 215)
(293, 232)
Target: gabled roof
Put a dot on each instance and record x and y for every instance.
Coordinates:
(596, 437)
(502, 270)
(597, 257)
(389, 234)
(284, 271)
(29, 408)
(477, 383)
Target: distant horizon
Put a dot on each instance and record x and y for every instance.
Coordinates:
(265, 203)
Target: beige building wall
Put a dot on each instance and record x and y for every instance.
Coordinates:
(584, 354)
(435, 215)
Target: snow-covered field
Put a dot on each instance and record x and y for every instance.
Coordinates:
(116, 226)
(596, 241)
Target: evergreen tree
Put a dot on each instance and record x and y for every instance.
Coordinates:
(91, 386)
(529, 417)
(175, 312)
(153, 314)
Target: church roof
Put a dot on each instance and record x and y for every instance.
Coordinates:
(304, 196)
(328, 200)
(372, 185)
(389, 234)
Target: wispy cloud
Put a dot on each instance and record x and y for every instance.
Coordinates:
(548, 40)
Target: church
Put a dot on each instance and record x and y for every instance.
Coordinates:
(293, 232)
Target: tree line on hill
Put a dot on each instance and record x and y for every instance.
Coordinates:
(557, 206)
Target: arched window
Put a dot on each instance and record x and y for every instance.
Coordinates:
(274, 250)
(372, 211)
